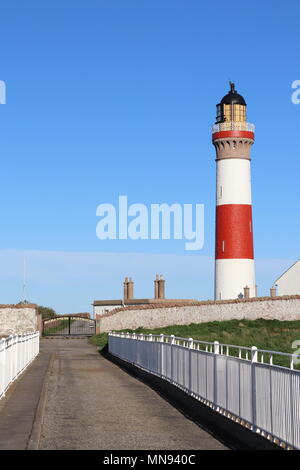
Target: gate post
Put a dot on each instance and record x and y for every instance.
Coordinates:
(69, 326)
(98, 322)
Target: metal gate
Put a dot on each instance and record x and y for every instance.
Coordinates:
(68, 325)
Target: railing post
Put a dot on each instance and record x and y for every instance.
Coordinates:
(12, 357)
(254, 354)
(161, 354)
(2, 366)
(16, 372)
(216, 347)
(135, 348)
(191, 344)
(216, 352)
(253, 386)
(172, 360)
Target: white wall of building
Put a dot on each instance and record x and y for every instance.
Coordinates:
(102, 309)
(289, 282)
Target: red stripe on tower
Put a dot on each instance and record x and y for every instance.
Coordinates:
(232, 134)
(234, 238)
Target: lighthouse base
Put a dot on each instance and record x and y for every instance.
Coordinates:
(231, 276)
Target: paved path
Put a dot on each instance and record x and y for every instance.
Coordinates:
(19, 407)
(89, 403)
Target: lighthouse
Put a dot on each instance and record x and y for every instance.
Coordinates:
(233, 137)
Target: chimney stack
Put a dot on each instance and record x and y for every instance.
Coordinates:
(156, 282)
(161, 287)
(246, 292)
(130, 287)
(273, 291)
(125, 284)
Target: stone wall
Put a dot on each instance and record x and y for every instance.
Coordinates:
(102, 309)
(153, 316)
(17, 319)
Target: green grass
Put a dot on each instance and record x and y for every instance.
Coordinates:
(273, 335)
(61, 325)
(99, 340)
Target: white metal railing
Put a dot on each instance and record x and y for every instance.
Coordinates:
(16, 353)
(239, 382)
(233, 126)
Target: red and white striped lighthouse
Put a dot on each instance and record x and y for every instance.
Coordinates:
(233, 137)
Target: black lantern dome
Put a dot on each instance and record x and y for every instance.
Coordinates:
(233, 97)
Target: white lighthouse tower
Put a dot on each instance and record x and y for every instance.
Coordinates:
(233, 137)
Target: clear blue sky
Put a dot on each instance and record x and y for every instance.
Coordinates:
(118, 97)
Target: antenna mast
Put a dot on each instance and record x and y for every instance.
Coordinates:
(24, 287)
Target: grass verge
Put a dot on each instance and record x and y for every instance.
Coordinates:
(272, 335)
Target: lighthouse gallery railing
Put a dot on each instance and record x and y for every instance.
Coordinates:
(233, 126)
(233, 380)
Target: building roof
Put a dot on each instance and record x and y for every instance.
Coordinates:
(285, 272)
(98, 303)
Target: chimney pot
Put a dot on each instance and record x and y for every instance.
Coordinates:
(156, 282)
(246, 292)
(273, 291)
(130, 286)
(161, 287)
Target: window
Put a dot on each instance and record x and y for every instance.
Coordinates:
(219, 113)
